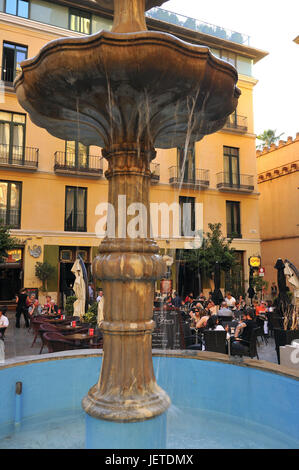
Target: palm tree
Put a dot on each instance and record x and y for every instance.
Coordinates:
(268, 137)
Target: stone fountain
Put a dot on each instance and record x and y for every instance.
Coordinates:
(128, 91)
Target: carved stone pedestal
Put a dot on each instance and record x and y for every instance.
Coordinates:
(128, 268)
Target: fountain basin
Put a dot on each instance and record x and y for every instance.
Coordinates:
(215, 404)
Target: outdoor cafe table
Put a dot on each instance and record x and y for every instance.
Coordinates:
(69, 327)
(79, 337)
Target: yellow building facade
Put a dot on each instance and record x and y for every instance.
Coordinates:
(278, 184)
(50, 189)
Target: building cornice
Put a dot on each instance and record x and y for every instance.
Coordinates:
(278, 172)
(37, 26)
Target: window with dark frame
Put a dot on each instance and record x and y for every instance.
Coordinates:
(17, 8)
(75, 209)
(187, 218)
(233, 219)
(186, 164)
(231, 166)
(12, 137)
(79, 21)
(12, 56)
(76, 154)
(10, 203)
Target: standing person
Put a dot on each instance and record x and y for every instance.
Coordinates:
(22, 300)
(90, 293)
(100, 313)
(177, 301)
(3, 321)
(273, 291)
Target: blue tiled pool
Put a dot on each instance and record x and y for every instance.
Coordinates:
(214, 405)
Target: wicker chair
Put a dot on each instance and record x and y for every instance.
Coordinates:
(215, 341)
(57, 342)
(250, 347)
(35, 325)
(44, 328)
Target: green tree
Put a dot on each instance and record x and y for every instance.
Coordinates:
(267, 138)
(215, 247)
(44, 271)
(7, 242)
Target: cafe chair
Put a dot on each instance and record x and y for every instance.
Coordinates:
(250, 347)
(215, 341)
(57, 342)
(44, 328)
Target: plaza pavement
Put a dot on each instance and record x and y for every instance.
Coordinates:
(18, 343)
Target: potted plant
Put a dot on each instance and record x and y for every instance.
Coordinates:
(290, 329)
(69, 305)
(44, 271)
(91, 315)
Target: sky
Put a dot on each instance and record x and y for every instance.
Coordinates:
(272, 26)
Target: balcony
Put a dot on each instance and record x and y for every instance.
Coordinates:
(155, 173)
(198, 179)
(197, 25)
(71, 164)
(16, 157)
(10, 217)
(236, 123)
(235, 182)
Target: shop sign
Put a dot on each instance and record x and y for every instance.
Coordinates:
(255, 261)
(262, 272)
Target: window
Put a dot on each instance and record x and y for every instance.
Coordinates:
(79, 21)
(10, 203)
(230, 57)
(186, 164)
(187, 219)
(233, 219)
(76, 154)
(12, 137)
(231, 166)
(13, 54)
(17, 7)
(75, 209)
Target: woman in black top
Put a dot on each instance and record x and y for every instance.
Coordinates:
(22, 299)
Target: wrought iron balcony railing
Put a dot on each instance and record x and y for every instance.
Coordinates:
(155, 172)
(233, 230)
(8, 74)
(10, 217)
(197, 178)
(17, 156)
(237, 122)
(71, 163)
(235, 182)
(197, 25)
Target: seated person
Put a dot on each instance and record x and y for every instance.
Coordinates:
(212, 308)
(230, 300)
(224, 311)
(34, 309)
(243, 332)
(50, 307)
(202, 323)
(213, 324)
(3, 321)
(189, 298)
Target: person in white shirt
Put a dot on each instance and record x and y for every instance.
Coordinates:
(230, 300)
(3, 321)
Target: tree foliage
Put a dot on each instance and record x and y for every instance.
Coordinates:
(7, 242)
(215, 247)
(268, 137)
(44, 271)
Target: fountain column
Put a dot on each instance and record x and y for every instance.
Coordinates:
(128, 268)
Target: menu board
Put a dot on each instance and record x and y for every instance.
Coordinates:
(32, 290)
(166, 335)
